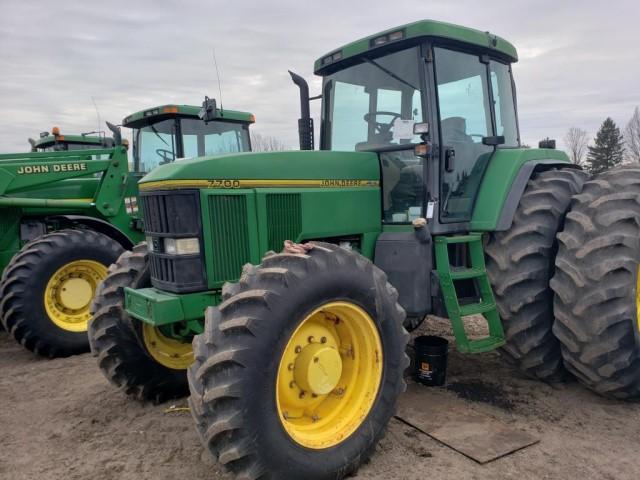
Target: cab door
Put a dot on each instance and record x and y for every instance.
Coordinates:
(464, 118)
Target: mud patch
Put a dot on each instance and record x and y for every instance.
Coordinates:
(475, 391)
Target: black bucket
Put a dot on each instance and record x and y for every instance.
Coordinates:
(430, 366)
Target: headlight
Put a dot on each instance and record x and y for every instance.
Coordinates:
(181, 246)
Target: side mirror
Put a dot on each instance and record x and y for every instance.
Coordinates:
(209, 110)
(493, 141)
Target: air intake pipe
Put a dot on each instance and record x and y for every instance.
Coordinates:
(115, 130)
(305, 123)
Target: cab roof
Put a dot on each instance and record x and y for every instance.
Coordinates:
(422, 28)
(161, 112)
(83, 139)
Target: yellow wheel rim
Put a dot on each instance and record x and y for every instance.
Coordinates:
(69, 291)
(329, 375)
(168, 352)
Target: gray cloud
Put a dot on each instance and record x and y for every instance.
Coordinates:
(579, 59)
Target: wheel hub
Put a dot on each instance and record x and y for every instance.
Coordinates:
(318, 368)
(75, 293)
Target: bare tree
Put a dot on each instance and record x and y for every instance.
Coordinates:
(266, 143)
(632, 137)
(576, 141)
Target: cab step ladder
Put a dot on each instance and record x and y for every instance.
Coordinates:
(486, 306)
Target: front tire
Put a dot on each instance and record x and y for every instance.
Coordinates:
(261, 405)
(520, 263)
(48, 286)
(135, 357)
(597, 285)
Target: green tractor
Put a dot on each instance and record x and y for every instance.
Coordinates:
(69, 212)
(56, 142)
(421, 201)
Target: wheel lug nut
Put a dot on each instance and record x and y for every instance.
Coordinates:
(323, 340)
(292, 384)
(290, 366)
(310, 339)
(316, 359)
(298, 349)
(302, 394)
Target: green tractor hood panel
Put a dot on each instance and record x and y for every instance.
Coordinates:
(268, 169)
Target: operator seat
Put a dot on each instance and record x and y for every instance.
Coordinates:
(454, 135)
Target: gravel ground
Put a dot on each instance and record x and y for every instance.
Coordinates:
(60, 419)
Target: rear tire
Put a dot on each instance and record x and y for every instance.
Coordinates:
(117, 339)
(237, 397)
(47, 288)
(520, 263)
(597, 286)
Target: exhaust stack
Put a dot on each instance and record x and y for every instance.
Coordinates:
(305, 123)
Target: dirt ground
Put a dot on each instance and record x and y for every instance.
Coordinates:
(60, 419)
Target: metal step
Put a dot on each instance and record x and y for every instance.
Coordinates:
(476, 272)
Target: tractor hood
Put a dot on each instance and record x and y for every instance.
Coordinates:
(268, 169)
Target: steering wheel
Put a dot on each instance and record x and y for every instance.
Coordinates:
(166, 155)
(380, 127)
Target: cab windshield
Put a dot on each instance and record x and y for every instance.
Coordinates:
(160, 143)
(374, 104)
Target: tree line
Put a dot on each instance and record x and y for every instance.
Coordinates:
(610, 146)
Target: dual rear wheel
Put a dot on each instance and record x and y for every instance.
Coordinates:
(597, 284)
(570, 301)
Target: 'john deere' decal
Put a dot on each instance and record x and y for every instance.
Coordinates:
(56, 167)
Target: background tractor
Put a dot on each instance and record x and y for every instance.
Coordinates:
(68, 213)
(56, 142)
(420, 201)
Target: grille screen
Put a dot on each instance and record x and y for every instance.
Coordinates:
(284, 221)
(230, 235)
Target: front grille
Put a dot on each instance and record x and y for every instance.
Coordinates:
(174, 214)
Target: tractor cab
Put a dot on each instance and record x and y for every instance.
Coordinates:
(168, 133)
(434, 101)
(57, 142)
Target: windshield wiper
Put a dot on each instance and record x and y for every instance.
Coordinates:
(158, 135)
(390, 73)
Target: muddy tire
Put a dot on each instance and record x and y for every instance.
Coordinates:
(47, 288)
(596, 285)
(117, 339)
(245, 356)
(520, 263)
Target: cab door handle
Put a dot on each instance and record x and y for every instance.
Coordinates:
(449, 160)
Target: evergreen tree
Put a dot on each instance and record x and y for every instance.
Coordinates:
(608, 148)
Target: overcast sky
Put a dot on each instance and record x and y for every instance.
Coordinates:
(579, 60)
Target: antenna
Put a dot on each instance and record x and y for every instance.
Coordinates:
(97, 113)
(215, 63)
